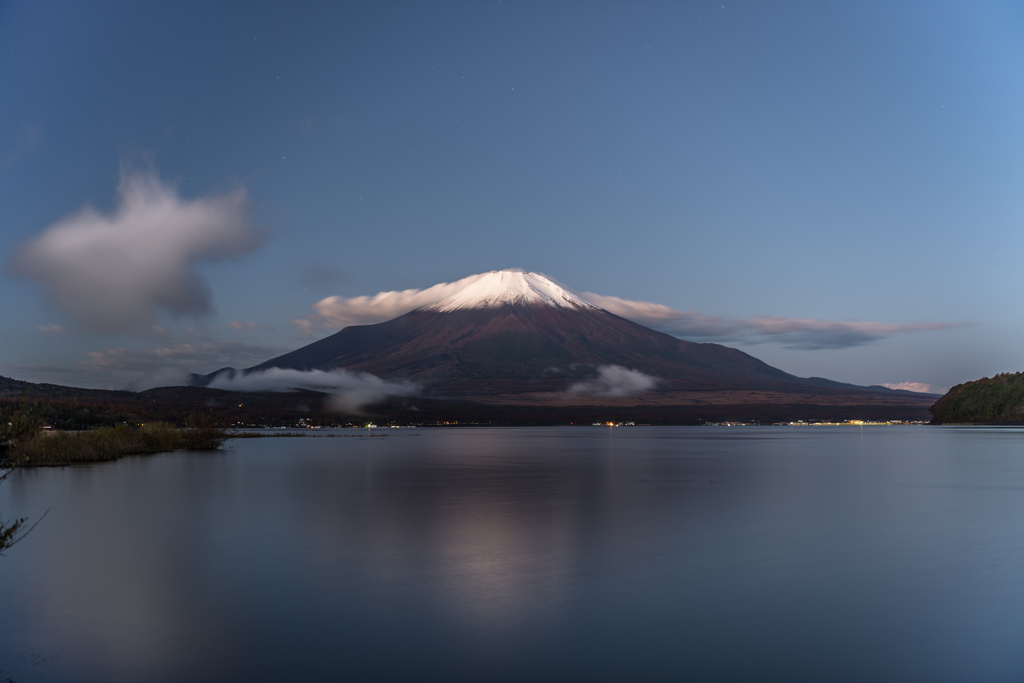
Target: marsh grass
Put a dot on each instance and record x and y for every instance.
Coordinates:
(111, 443)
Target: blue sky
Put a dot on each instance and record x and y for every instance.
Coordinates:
(819, 161)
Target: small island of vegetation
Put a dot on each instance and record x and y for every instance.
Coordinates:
(24, 444)
(997, 400)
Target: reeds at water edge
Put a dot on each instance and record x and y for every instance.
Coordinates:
(111, 443)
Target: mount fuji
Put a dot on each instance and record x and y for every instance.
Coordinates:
(518, 337)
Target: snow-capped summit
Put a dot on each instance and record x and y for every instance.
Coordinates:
(509, 287)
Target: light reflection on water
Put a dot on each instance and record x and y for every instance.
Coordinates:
(883, 554)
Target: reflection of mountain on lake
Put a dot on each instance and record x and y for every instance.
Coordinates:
(806, 554)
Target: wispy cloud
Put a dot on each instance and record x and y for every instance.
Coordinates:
(171, 364)
(51, 329)
(249, 326)
(161, 377)
(615, 381)
(116, 271)
(168, 360)
(795, 333)
(24, 146)
(305, 327)
(919, 387)
(323, 275)
(351, 391)
(204, 356)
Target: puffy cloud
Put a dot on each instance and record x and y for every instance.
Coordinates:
(113, 272)
(919, 387)
(351, 390)
(795, 333)
(615, 381)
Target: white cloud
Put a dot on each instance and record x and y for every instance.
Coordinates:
(51, 329)
(919, 387)
(614, 381)
(337, 312)
(113, 272)
(351, 390)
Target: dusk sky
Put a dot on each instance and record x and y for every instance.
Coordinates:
(835, 188)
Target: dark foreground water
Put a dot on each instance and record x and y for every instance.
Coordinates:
(586, 554)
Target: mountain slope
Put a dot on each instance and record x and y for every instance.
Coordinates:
(538, 345)
(511, 332)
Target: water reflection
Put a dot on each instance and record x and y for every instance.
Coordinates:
(874, 554)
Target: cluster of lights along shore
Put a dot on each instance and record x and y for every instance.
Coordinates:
(304, 424)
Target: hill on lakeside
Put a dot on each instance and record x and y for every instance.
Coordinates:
(996, 400)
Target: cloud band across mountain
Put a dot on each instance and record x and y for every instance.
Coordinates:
(336, 312)
(351, 391)
(615, 381)
(796, 333)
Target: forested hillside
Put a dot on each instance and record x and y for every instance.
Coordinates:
(995, 400)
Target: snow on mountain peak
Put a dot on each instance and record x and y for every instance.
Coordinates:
(509, 287)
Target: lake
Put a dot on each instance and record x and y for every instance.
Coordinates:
(547, 554)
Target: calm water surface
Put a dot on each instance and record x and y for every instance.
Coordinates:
(589, 554)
